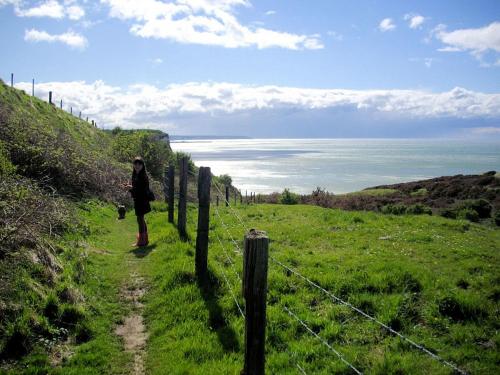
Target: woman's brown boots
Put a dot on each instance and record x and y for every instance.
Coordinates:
(141, 239)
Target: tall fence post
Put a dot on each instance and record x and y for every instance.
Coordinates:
(227, 196)
(11, 79)
(171, 191)
(255, 263)
(183, 179)
(217, 201)
(50, 97)
(204, 182)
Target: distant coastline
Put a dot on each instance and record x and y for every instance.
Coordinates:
(176, 138)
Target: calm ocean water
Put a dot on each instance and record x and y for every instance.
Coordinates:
(338, 165)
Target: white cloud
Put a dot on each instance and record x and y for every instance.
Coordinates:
(146, 105)
(75, 12)
(476, 41)
(69, 38)
(415, 20)
(386, 25)
(206, 22)
(157, 61)
(270, 12)
(51, 9)
(487, 130)
(335, 35)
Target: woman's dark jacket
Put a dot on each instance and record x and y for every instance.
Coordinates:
(139, 191)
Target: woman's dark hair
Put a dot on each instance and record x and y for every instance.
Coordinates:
(142, 172)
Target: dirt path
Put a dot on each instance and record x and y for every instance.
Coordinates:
(133, 330)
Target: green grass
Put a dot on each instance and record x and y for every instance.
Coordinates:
(433, 279)
(373, 192)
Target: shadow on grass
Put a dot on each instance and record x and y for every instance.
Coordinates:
(209, 289)
(141, 252)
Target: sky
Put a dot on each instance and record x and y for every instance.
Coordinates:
(287, 68)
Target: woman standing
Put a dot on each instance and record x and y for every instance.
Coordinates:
(140, 192)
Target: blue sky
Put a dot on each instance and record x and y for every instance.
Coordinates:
(264, 68)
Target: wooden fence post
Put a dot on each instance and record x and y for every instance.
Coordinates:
(241, 198)
(246, 196)
(201, 257)
(235, 196)
(183, 179)
(255, 263)
(11, 79)
(50, 97)
(80, 115)
(217, 201)
(60, 104)
(171, 191)
(71, 110)
(227, 196)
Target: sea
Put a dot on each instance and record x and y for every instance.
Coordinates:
(338, 165)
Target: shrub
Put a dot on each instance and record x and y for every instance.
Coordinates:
(71, 315)
(287, 197)
(482, 207)
(418, 209)
(468, 214)
(394, 209)
(225, 180)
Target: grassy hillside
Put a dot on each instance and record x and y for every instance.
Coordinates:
(50, 163)
(433, 279)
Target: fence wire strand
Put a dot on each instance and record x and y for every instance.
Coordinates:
(352, 307)
(231, 290)
(337, 353)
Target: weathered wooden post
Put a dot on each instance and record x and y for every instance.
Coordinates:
(235, 196)
(33, 87)
(11, 79)
(60, 104)
(227, 196)
(87, 119)
(50, 97)
(171, 191)
(217, 201)
(241, 198)
(246, 196)
(71, 110)
(181, 215)
(80, 115)
(255, 263)
(201, 257)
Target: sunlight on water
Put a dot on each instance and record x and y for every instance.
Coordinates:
(338, 165)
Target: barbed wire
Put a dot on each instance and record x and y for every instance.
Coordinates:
(231, 208)
(337, 353)
(231, 290)
(359, 311)
(231, 261)
(228, 232)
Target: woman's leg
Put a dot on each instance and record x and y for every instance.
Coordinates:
(141, 223)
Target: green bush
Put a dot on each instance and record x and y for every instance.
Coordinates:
(394, 209)
(468, 214)
(418, 209)
(287, 197)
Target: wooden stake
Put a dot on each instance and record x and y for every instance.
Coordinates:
(171, 191)
(181, 216)
(255, 264)
(227, 196)
(204, 182)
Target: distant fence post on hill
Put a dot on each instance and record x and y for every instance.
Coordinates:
(11, 79)
(171, 191)
(227, 196)
(255, 264)
(217, 201)
(181, 215)
(201, 258)
(50, 97)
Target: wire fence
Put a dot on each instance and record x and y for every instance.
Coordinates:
(50, 99)
(231, 210)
